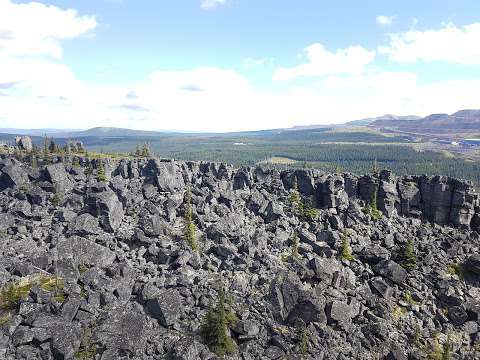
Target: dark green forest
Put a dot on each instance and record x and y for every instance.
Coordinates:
(315, 153)
(320, 148)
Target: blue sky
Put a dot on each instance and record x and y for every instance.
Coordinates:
(252, 63)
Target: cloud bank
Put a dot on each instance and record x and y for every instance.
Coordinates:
(329, 85)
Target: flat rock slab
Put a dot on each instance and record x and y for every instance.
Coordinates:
(85, 252)
(123, 330)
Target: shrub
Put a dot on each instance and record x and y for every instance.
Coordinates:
(457, 269)
(303, 343)
(87, 350)
(13, 293)
(309, 212)
(57, 198)
(75, 162)
(215, 327)
(440, 352)
(407, 296)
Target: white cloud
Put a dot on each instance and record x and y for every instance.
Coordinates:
(38, 90)
(384, 20)
(37, 29)
(208, 4)
(449, 43)
(321, 62)
(250, 63)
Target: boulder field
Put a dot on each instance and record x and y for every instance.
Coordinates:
(101, 269)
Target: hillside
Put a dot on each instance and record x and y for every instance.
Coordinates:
(155, 259)
(464, 121)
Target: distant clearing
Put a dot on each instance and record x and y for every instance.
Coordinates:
(279, 160)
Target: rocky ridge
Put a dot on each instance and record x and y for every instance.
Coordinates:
(132, 288)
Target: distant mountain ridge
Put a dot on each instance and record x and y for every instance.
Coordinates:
(360, 122)
(111, 132)
(462, 121)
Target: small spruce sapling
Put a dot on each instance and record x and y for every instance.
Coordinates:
(189, 231)
(295, 244)
(146, 150)
(346, 253)
(295, 199)
(409, 257)
(215, 327)
(101, 172)
(309, 212)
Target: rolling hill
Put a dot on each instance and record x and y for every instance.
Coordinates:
(461, 122)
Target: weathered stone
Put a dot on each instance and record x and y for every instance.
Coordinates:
(391, 270)
(24, 143)
(57, 175)
(166, 307)
(472, 264)
(12, 175)
(108, 208)
(84, 252)
(167, 175)
(84, 224)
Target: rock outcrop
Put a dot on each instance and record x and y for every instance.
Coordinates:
(102, 270)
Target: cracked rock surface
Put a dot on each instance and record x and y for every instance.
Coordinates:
(132, 287)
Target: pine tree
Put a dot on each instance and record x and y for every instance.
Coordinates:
(375, 169)
(52, 147)
(101, 172)
(372, 207)
(309, 212)
(137, 151)
(33, 161)
(46, 149)
(145, 150)
(346, 253)
(189, 232)
(295, 199)
(409, 257)
(215, 327)
(89, 170)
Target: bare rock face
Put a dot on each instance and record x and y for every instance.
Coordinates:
(108, 208)
(464, 202)
(388, 198)
(13, 175)
(166, 175)
(331, 194)
(473, 264)
(24, 143)
(59, 178)
(111, 274)
(410, 197)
